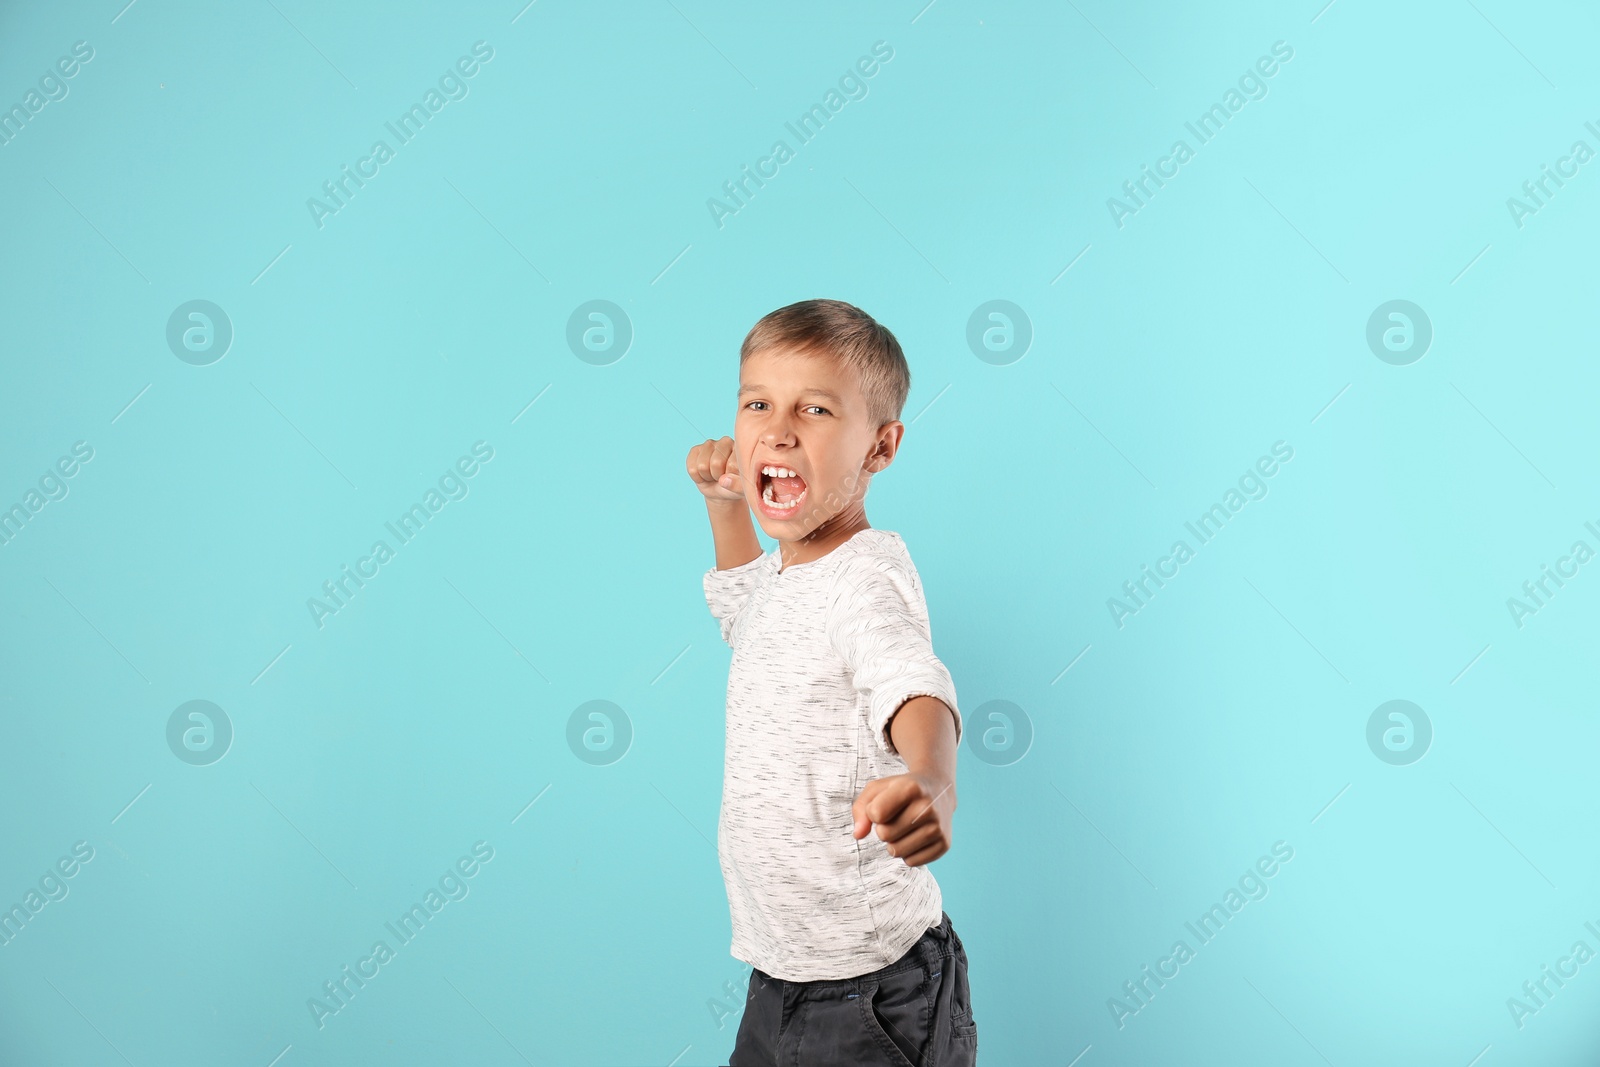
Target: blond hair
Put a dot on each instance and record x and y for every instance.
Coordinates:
(847, 334)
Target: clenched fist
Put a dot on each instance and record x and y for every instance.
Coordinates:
(715, 470)
(912, 814)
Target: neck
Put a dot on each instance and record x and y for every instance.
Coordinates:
(824, 539)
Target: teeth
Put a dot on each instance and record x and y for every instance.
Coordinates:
(766, 495)
(772, 470)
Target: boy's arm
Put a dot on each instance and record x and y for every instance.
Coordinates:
(913, 811)
(728, 584)
(877, 625)
(733, 532)
(924, 733)
(715, 470)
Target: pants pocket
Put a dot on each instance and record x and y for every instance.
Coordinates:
(895, 1010)
(961, 1049)
(961, 996)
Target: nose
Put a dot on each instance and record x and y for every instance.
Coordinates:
(779, 429)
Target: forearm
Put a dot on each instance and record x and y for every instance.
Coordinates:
(924, 733)
(734, 533)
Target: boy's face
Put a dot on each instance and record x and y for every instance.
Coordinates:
(806, 412)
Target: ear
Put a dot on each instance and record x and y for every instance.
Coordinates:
(887, 444)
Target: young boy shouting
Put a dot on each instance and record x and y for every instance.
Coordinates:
(842, 725)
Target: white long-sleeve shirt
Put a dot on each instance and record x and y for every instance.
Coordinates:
(824, 653)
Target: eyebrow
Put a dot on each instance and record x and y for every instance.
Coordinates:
(810, 390)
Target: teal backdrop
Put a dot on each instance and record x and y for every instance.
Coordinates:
(352, 577)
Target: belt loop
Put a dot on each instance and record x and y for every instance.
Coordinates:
(934, 944)
(788, 1005)
(929, 952)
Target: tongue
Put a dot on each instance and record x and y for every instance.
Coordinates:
(786, 489)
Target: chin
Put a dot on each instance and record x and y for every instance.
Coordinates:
(781, 530)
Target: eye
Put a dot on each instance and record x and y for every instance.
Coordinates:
(755, 402)
(817, 407)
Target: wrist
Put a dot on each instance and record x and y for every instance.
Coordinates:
(939, 785)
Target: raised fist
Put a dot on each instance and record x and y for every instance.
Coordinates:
(715, 470)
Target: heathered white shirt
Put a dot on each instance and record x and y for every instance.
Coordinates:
(823, 654)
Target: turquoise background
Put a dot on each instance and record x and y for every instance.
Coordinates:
(436, 709)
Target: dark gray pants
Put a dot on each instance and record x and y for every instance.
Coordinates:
(916, 1012)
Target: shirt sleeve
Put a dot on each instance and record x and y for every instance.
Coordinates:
(727, 593)
(878, 624)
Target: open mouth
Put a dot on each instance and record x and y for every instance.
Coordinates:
(782, 488)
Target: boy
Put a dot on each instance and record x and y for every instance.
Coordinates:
(840, 718)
